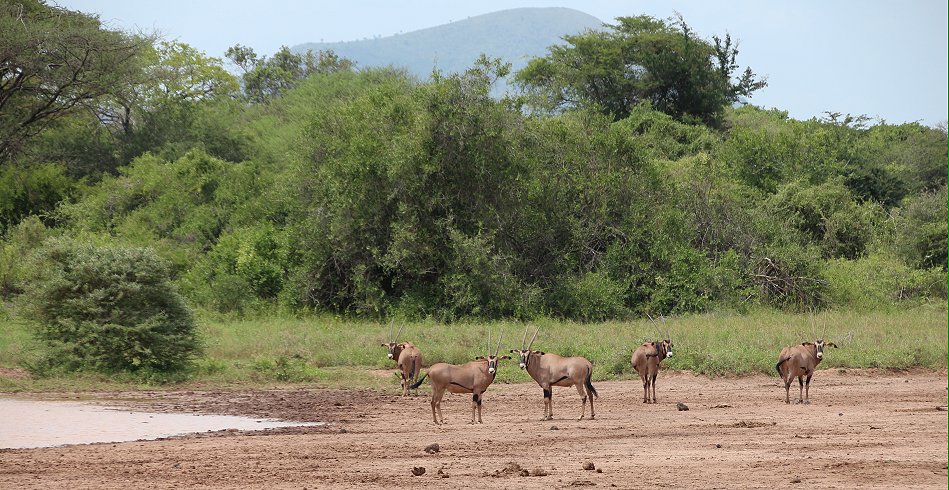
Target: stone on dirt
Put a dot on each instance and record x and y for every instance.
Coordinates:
(682, 407)
(432, 448)
(418, 470)
(589, 466)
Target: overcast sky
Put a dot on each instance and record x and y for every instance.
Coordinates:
(882, 58)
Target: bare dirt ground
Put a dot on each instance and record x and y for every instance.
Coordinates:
(862, 429)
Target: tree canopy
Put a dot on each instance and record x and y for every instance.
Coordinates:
(641, 59)
(54, 62)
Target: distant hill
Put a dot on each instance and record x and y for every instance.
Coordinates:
(515, 36)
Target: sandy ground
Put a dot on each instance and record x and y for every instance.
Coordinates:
(863, 429)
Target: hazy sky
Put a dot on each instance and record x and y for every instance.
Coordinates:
(880, 58)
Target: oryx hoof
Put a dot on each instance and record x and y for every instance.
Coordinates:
(798, 402)
(807, 402)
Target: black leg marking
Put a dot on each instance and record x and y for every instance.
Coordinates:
(547, 393)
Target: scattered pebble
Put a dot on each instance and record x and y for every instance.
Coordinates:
(722, 405)
(554, 427)
(682, 407)
(589, 466)
(796, 480)
(719, 446)
(432, 448)
(418, 470)
(539, 472)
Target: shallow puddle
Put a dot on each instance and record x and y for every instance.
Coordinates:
(30, 423)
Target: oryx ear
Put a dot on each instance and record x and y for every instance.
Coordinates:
(504, 357)
(480, 358)
(831, 344)
(807, 343)
(541, 353)
(385, 345)
(512, 351)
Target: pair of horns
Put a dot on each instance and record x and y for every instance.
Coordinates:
(396, 338)
(656, 325)
(527, 329)
(496, 349)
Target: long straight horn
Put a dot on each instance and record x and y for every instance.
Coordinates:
(389, 333)
(655, 325)
(489, 342)
(527, 328)
(664, 327)
(396, 339)
(498, 348)
(531, 344)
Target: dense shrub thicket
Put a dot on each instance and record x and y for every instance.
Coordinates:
(370, 193)
(109, 309)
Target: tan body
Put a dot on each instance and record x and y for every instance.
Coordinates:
(550, 370)
(473, 377)
(409, 360)
(799, 361)
(646, 360)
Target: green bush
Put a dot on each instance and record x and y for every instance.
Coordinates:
(878, 281)
(109, 309)
(591, 297)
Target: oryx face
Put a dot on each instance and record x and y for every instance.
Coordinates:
(820, 348)
(665, 345)
(523, 356)
(493, 362)
(392, 347)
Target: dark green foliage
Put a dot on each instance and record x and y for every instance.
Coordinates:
(109, 309)
(55, 62)
(641, 59)
(921, 230)
(373, 194)
(31, 190)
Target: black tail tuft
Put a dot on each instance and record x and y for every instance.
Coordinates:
(777, 366)
(419, 382)
(589, 384)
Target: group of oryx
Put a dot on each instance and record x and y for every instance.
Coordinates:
(550, 370)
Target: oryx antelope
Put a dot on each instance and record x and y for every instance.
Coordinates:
(646, 359)
(407, 357)
(550, 370)
(799, 361)
(473, 377)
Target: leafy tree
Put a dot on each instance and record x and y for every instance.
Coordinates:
(36, 189)
(55, 62)
(265, 78)
(641, 59)
(922, 230)
(110, 309)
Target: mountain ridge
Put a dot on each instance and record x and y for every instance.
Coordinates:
(513, 35)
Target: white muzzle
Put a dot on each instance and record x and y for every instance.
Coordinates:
(491, 370)
(390, 356)
(669, 354)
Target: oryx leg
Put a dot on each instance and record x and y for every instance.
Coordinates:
(787, 389)
(653, 385)
(800, 382)
(807, 388)
(590, 396)
(437, 395)
(476, 406)
(645, 379)
(405, 384)
(583, 400)
(548, 403)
